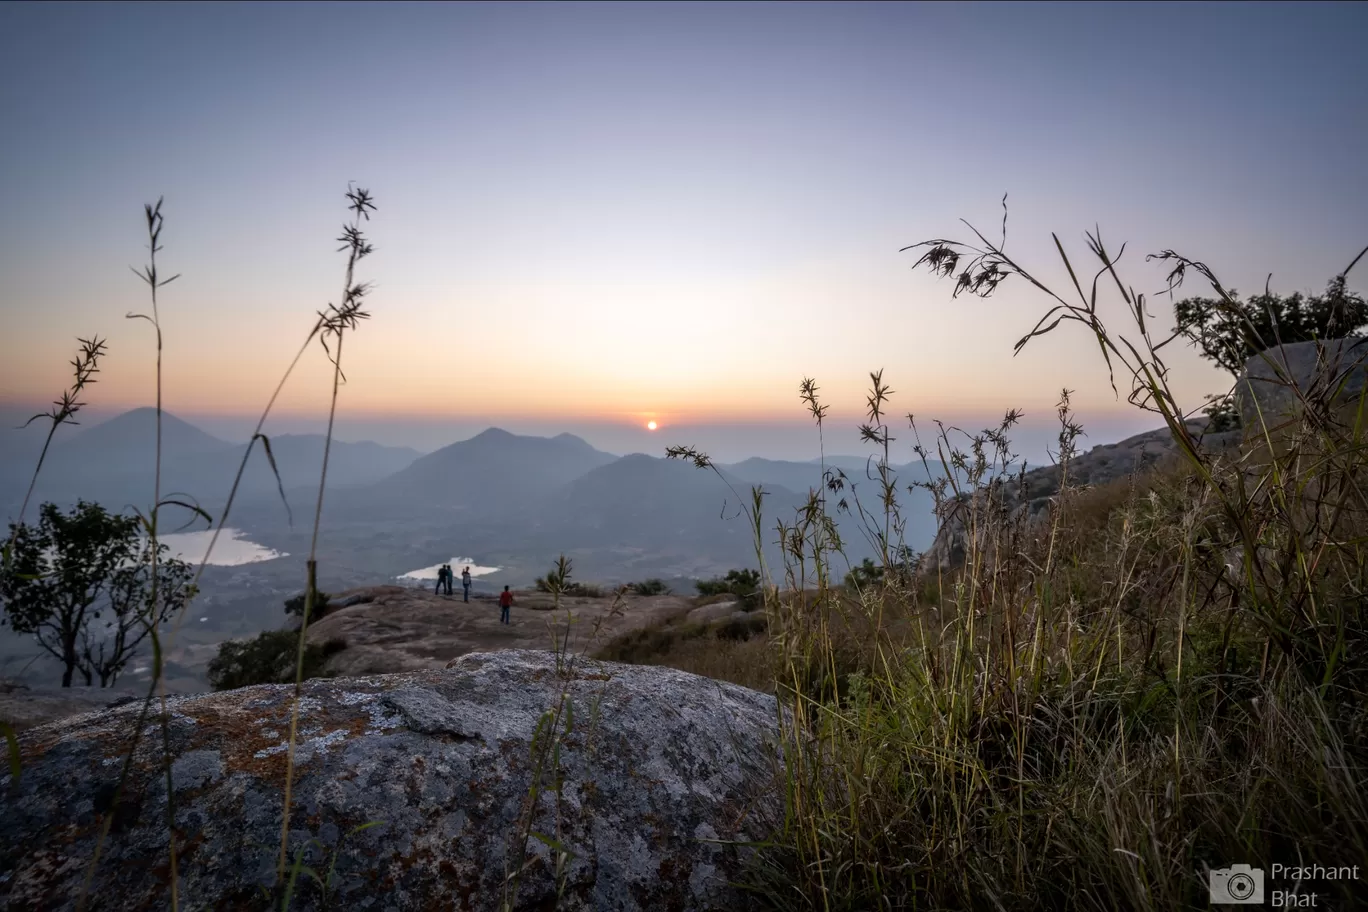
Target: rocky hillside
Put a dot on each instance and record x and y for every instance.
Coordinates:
(1277, 385)
(393, 628)
(1033, 492)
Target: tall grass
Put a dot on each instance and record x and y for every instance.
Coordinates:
(331, 324)
(150, 520)
(1161, 676)
(334, 323)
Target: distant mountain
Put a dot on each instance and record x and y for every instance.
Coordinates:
(114, 463)
(494, 473)
(798, 477)
(916, 504)
(299, 459)
(128, 444)
(643, 502)
(802, 476)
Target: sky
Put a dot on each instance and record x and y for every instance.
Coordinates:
(592, 216)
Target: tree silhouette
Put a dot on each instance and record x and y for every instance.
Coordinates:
(81, 584)
(1231, 335)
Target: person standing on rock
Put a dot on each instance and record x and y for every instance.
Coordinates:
(505, 602)
(441, 578)
(465, 583)
(451, 578)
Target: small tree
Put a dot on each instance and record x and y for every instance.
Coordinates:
(744, 584)
(1230, 335)
(294, 605)
(652, 586)
(557, 582)
(81, 584)
(268, 659)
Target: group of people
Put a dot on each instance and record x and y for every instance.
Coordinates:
(444, 580)
(445, 576)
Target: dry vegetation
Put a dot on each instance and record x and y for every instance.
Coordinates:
(1162, 676)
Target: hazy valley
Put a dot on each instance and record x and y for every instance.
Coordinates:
(501, 500)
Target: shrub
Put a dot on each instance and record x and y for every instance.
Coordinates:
(650, 587)
(81, 583)
(1223, 413)
(294, 605)
(268, 659)
(744, 584)
(742, 628)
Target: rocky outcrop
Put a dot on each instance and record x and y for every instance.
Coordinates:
(390, 629)
(658, 771)
(1277, 382)
(717, 611)
(1028, 498)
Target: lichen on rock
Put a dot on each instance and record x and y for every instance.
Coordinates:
(660, 773)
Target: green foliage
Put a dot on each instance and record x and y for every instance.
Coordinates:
(556, 581)
(81, 583)
(1230, 332)
(267, 659)
(294, 605)
(744, 584)
(1223, 414)
(869, 574)
(650, 587)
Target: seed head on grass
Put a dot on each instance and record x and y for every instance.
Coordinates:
(333, 324)
(85, 366)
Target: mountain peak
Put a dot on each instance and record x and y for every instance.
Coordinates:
(138, 423)
(494, 433)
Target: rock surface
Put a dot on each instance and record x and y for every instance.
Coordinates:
(24, 707)
(393, 628)
(1316, 370)
(654, 765)
(717, 611)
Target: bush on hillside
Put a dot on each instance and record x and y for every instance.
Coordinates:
(744, 584)
(294, 605)
(268, 659)
(650, 587)
(558, 582)
(869, 574)
(743, 627)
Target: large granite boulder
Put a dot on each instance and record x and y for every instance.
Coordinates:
(1276, 382)
(658, 771)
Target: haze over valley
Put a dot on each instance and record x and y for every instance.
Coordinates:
(509, 503)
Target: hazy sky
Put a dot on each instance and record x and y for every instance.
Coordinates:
(592, 215)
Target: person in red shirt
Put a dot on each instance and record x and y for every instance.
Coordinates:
(505, 602)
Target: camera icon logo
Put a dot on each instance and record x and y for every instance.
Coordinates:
(1238, 884)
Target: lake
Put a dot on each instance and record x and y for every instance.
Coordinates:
(457, 563)
(231, 550)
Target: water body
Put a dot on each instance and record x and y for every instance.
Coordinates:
(457, 563)
(231, 550)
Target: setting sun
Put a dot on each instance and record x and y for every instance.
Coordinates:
(651, 425)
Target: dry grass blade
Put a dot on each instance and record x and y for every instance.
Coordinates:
(334, 323)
